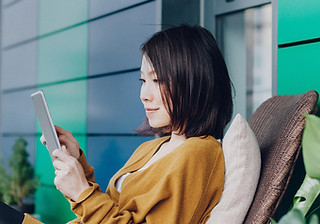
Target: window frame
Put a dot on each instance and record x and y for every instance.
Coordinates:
(211, 9)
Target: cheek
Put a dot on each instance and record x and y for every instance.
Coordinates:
(157, 93)
(168, 120)
(166, 117)
(162, 99)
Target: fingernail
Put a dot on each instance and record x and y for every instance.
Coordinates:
(54, 152)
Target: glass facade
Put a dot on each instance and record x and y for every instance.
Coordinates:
(298, 46)
(298, 69)
(85, 56)
(246, 42)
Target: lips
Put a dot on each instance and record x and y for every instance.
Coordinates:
(151, 110)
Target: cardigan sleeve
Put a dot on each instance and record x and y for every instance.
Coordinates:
(182, 188)
(88, 170)
(28, 219)
(94, 206)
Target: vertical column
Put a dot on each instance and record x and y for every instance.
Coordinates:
(62, 75)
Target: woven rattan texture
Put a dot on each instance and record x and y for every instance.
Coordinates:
(278, 124)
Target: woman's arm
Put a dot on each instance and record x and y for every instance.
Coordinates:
(88, 170)
(182, 188)
(178, 189)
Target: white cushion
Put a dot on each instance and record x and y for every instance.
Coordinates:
(242, 170)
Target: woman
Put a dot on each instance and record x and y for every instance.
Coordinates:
(177, 178)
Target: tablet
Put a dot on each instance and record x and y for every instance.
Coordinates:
(45, 120)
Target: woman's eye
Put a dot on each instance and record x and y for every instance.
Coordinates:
(155, 81)
(142, 81)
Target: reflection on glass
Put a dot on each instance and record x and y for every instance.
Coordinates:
(245, 41)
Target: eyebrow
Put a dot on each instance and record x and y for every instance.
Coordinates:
(149, 73)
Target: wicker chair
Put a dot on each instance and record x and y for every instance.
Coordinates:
(278, 124)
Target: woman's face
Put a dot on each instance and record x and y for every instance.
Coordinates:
(150, 96)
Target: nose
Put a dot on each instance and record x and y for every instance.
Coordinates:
(146, 93)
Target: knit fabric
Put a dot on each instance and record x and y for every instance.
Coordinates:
(181, 187)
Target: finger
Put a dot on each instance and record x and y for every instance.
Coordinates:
(58, 165)
(58, 172)
(61, 155)
(64, 149)
(67, 139)
(56, 182)
(62, 131)
(43, 140)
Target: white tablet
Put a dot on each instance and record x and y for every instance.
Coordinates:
(45, 120)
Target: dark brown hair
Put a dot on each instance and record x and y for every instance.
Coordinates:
(193, 79)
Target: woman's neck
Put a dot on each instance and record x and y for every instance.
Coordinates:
(167, 147)
(176, 140)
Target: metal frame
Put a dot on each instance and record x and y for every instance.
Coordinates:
(223, 7)
(210, 9)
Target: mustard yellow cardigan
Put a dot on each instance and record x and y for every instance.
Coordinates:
(181, 187)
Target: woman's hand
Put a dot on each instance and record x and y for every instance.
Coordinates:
(70, 178)
(66, 138)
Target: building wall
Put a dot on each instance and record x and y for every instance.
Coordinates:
(298, 66)
(298, 46)
(85, 56)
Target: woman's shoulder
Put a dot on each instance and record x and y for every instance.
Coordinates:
(197, 154)
(204, 140)
(204, 148)
(203, 143)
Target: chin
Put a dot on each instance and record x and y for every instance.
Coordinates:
(157, 125)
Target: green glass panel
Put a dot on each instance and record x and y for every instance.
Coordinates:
(298, 69)
(64, 55)
(52, 213)
(68, 106)
(298, 20)
(44, 168)
(58, 14)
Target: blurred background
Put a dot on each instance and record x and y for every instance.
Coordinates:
(85, 56)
